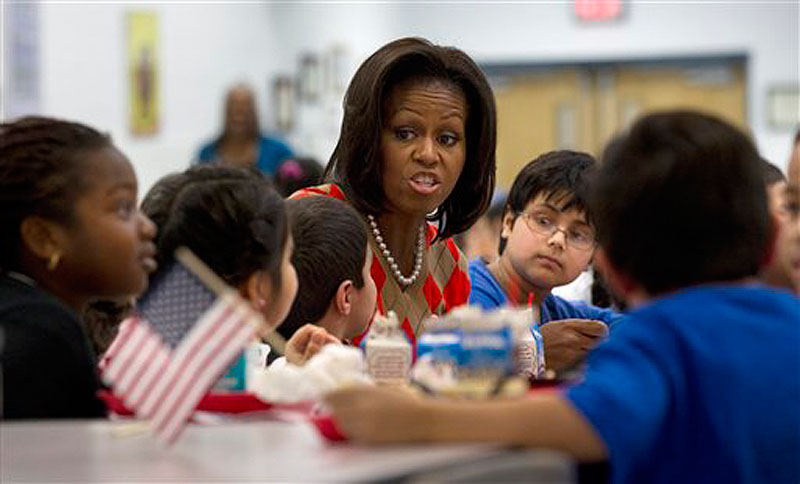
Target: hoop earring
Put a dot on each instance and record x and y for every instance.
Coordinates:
(52, 263)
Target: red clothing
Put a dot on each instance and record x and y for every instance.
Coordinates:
(443, 285)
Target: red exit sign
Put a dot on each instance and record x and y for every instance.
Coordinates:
(598, 9)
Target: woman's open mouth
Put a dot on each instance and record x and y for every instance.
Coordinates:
(424, 183)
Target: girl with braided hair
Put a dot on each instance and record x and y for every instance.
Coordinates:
(70, 232)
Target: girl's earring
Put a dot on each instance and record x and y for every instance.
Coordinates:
(52, 263)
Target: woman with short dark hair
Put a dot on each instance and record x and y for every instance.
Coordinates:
(416, 145)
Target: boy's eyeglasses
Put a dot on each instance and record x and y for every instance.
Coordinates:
(577, 238)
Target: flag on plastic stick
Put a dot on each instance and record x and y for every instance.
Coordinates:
(200, 359)
(189, 327)
(134, 361)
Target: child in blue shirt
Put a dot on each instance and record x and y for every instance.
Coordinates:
(547, 240)
(700, 382)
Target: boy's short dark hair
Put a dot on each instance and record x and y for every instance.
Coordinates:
(560, 175)
(680, 200)
(330, 244)
(772, 174)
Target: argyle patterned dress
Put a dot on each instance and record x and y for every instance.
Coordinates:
(445, 284)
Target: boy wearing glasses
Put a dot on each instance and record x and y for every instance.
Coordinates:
(547, 240)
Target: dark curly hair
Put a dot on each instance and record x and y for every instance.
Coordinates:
(40, 174)
(231, 218)
(355, 164)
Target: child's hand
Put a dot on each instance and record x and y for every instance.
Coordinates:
(306, 342)
(379, 414)
(567, 341)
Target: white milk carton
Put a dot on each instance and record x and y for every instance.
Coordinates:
(387, 350)
(528, 350)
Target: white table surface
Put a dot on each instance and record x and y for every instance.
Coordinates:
(89, 451)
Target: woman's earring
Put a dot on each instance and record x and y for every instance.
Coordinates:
(52, 263)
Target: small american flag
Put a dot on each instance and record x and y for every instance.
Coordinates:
(183, 337)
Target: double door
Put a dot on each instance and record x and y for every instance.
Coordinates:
(581, 107)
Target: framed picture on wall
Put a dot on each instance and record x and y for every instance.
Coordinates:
(283, 90)
(143, 72)
(783, 106)
(310, 78)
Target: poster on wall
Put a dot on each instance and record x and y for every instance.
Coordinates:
(143, 72)
(20, 81)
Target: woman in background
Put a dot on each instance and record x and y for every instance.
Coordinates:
(241, 143)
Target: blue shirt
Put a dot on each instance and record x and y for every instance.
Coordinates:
(700, 386)
(271, 153)
(487, 293)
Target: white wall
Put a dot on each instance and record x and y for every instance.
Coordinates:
(207, 47)
(203, 50)
(539, 32)
(316, 28)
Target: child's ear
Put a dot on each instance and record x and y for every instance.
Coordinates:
(257, 289)
(508, 224)
(44, 238)
(342, 300)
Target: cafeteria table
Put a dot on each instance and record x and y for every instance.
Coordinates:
(240, 451)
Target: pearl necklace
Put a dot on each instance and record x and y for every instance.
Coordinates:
(419, 252)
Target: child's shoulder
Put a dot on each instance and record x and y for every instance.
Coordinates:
(28, 309)
(479, 267)
(485, 291)
(46, 357)
(732, 308)
(710, 297)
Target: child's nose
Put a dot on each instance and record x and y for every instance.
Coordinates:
(146, 226)
(558, 237)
